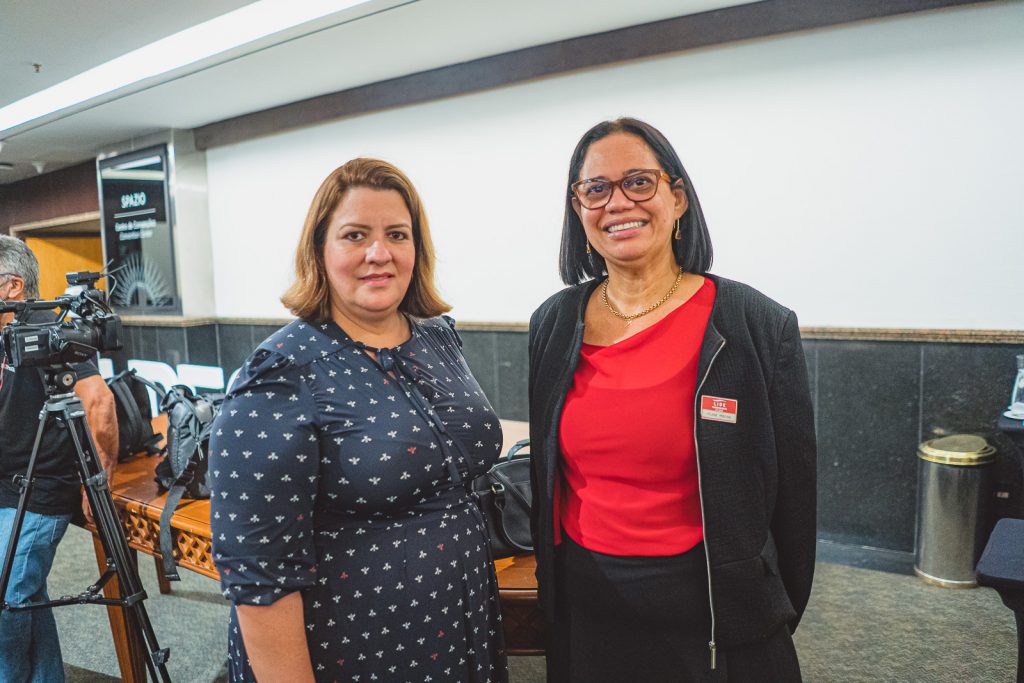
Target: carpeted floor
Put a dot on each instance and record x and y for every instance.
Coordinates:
(861, 625)
(190, 621)
(864, 625)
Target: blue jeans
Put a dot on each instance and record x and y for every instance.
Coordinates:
(29, 648)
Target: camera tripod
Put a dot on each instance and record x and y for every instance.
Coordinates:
(65, 409)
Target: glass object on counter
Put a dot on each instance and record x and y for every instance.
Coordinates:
(1016, 407)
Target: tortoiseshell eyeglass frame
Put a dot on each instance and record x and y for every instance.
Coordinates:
(577, 194)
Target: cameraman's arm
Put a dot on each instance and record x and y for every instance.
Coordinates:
(101, 416)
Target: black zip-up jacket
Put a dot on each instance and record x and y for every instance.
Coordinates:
(757, 475)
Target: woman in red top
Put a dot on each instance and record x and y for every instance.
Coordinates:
(672, 436)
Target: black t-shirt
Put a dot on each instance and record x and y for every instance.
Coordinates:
(57, 488)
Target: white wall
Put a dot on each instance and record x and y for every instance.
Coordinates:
(192, 232)
(867, 176)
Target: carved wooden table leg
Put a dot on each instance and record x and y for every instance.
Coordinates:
(165, 585)
(131, 657)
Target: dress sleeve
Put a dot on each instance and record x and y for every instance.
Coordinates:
(793, 524)
(264, 462)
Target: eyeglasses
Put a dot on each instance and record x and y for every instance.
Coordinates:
(638, 186)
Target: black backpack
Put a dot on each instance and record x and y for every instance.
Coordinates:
(184, 473)
(134, 416)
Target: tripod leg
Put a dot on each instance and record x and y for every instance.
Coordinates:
(131, 656)
(19, 515)
(112, 540)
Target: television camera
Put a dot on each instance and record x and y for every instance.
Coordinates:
(85, 324)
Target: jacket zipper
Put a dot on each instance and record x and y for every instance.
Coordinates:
(700, 494)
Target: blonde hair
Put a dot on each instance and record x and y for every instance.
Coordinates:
(309, 296)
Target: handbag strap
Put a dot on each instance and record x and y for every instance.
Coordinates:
(514, 454)
(174, 496)
(157, 388)
(496, 476)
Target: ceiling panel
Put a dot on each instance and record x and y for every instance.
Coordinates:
(66, 38)
(335, 53)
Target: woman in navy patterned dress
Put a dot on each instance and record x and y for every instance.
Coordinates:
(342, 527)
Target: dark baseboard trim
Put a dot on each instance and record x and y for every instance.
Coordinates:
(865, 557)
(706, 29)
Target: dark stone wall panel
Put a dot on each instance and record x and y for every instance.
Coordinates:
(811, 358)
(965, 387)
(478, 348)
(261, 332)
(513, 374)
(868, 411)
(172, 345)
(235, 346)
(130, 336)
(202, 345)
(147, 346)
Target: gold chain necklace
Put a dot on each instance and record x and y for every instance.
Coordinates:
(630, 318)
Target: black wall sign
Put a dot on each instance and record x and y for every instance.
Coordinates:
(137, 240)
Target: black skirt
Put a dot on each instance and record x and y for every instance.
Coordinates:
(648, 619)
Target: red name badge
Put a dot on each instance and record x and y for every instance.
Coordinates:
(718, 409)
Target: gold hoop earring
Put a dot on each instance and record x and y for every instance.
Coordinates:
(588, 246)
(678, 233)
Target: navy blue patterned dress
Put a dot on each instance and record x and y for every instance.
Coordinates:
(345, 478)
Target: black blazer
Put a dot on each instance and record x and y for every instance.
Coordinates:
(757, 475)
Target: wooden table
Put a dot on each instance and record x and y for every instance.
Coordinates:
(140, 503)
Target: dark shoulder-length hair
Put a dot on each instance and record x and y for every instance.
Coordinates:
(692, 251)
(309, 296)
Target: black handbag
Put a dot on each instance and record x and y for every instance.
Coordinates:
(504, 494)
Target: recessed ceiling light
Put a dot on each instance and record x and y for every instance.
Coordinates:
(196, 43)
(147, 161)
(4, 166)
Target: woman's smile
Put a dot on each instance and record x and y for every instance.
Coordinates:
(624, 229)
(377, 279)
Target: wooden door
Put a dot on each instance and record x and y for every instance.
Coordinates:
(58, 255)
